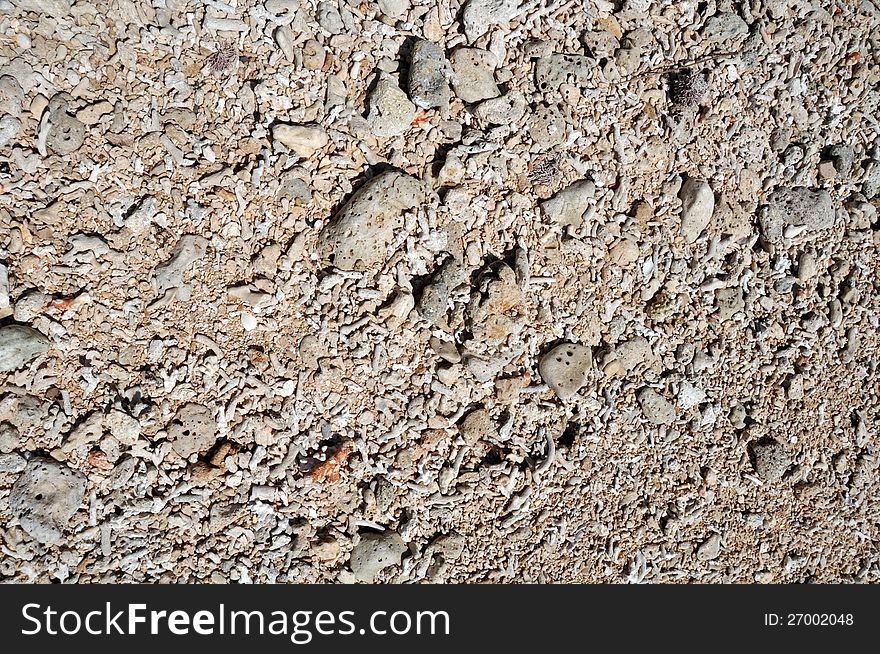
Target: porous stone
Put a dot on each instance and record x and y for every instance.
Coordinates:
(479, 16)
(565, 368)
(375, 552)
(193, 430)
(45, 497)
(656, 408)
(474, 74)
(66, 134)
(478, 426)
(809, 209)
(358, 236)
(18, 345)
(600, 43)
(554, 70)
(390, 113)
(547, 126)
(770, 459)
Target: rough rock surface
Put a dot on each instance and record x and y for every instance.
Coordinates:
(429, 73)
(45, 497)
(697, 207)
(193, 430)
(474, 74)
(802, 208)
(374, 553)
(390, 113)
(18, 345)
(656, 408)
(359, 234)
(770, 459)
(565, 368)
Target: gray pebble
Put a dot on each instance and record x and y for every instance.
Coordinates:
(18, 345)
(770, 459)
(359, 234)
(9, 437)
(446, 350)
(842, 156)
(474, 71)
(45, 497)
(428, 76)
(484, 368)
(871, 181)
(374, 553)
(630, 354)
